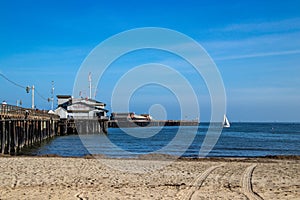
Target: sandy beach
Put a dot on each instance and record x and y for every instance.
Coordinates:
(82, 178)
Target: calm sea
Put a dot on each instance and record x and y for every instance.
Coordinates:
(240, 140)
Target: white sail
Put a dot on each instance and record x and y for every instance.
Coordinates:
(226, 123)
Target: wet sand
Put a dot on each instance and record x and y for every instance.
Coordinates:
(82, 178)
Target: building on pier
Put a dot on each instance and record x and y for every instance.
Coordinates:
(80, 108)
(130, 116)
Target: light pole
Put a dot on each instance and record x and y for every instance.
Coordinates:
(32, 95)
(52, 95)
(19, 102)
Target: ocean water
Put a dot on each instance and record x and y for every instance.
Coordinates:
(240, 140)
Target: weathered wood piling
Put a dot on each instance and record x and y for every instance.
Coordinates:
(82, 126)
(16, 134)
(20, 127)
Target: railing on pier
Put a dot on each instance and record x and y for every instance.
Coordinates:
(10, 111)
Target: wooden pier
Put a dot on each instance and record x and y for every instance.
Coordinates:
(20, 127)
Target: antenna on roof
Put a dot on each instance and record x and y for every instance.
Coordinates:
(90, 85)
(95, 93)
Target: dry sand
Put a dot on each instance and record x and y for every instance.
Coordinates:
(81, 178)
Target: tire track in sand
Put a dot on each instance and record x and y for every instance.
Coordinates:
(199, 181)
(15, 181)
(78, 196)
(246, 183)
(225, 182)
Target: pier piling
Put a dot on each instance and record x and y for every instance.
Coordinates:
(20, 127)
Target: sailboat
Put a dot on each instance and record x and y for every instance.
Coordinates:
(226, 123)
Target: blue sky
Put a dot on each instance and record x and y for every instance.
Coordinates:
(255, 45)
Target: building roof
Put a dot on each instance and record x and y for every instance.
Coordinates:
(87, 100)
(63, 96)
(68, 100)
(89, 105)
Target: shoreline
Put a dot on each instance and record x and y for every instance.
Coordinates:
(158, 157)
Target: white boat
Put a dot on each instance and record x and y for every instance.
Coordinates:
(226, 123)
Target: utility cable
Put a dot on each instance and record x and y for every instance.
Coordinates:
(40, 95)
(24, 87)
(16, 84)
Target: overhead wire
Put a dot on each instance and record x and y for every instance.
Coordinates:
(9, 80)
(40, 95)
(24, 87)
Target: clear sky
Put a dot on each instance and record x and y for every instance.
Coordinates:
(255, 44)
